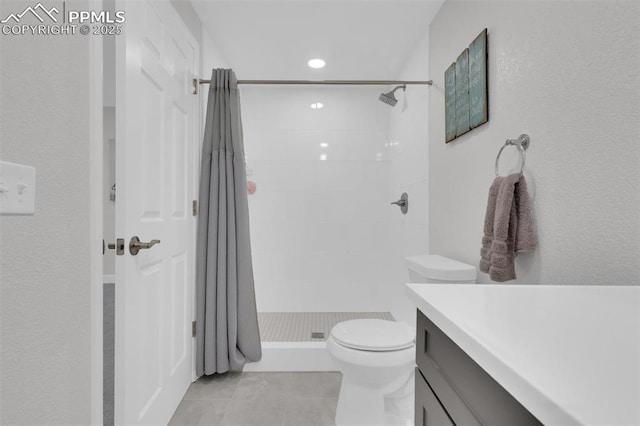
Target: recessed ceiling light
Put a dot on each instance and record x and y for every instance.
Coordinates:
(316, 105)
(316, 63)
(324, 145)
(323, 157)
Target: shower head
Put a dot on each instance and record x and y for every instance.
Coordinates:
(389, 98)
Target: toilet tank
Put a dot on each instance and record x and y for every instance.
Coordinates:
(432, 268)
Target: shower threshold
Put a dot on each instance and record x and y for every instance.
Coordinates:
(296, 341)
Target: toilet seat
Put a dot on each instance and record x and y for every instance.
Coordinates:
(373, 335)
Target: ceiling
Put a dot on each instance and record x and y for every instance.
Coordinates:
(358, 39)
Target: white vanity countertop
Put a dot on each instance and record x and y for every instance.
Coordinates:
(569, 354)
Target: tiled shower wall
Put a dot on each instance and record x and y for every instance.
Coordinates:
(409, 172)
(320, 218)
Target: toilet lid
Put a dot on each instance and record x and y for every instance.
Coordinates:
(373, 335)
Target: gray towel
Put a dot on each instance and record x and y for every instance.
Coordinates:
(508, 227)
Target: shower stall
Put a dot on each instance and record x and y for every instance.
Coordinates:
(319, 183)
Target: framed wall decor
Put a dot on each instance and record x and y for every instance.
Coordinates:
(478, 95)
(450, 102)
(466, 90)
(462, 93)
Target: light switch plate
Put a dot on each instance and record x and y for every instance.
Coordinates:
(17, 189)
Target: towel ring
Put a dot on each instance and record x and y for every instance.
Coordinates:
(522, 143)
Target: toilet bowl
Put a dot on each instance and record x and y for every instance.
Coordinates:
(376, 358)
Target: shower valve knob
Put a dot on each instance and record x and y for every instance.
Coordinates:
(403, 203)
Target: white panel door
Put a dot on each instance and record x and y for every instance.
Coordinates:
(156, 142)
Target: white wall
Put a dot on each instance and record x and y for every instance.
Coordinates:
(189, 17)
(409, 172)
(319, 228)
(210, 58)
(567, 74)
(45, 374)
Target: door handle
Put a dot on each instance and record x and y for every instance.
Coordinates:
(135, 245)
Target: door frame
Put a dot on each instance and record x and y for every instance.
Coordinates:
(96, 218)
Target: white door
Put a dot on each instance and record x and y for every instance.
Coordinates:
(156, 140)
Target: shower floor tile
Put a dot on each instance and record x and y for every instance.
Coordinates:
(299, 326)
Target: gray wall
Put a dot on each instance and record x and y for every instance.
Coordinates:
(567, 74)
(44, 259)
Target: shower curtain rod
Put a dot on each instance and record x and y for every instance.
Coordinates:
(197, 81)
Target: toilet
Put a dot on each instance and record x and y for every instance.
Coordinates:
(433, 268)
(377, 357)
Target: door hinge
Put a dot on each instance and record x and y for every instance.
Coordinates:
(194, 207)
(193, 329)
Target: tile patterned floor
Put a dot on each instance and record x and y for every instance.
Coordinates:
(298, 326)
(261, 399)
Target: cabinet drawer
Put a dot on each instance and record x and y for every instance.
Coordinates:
(476, 397)
(429, 412)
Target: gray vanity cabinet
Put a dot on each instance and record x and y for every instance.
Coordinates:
(451, 389)
(428, 408)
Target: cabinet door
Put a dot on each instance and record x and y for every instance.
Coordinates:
(470, 395)
(429, 412)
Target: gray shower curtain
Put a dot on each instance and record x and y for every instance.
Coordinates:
(227, 333)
